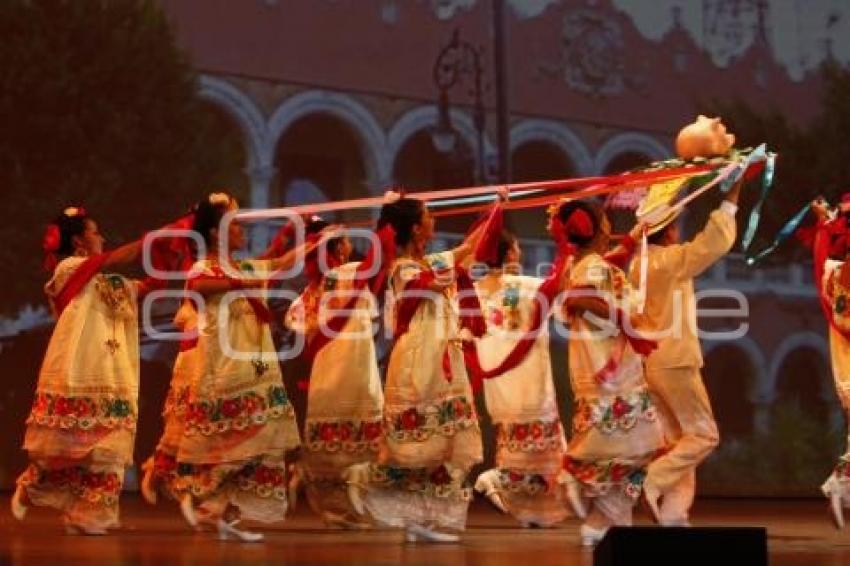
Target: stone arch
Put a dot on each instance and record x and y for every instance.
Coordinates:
(352, 113)
(761, 388)
(557, 134)
(422, 118)
(796, 341)
(245, 113)
(630, 142)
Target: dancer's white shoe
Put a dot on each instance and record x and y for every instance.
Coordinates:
(651, 496)
(487, 483)
(188, 510)
(832, 489)
(294, 485)
(228, 531)
(590, 536)
(147, 486)
(19, 509)
(417, 533)
(357, 477)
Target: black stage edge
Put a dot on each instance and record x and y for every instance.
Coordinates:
(661, 546)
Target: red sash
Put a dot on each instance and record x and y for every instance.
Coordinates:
(385, 255)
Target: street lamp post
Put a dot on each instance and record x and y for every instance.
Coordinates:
(458, 59)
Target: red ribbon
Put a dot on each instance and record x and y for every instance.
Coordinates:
(261, 311)
(384, 256)
(487, 250)
(78, 280)
(547, 292)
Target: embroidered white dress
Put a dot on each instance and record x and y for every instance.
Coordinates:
(431, 434)
(187, 366)
(239, 422)
(616, 431)
(530, 441)
(82, 427)
(345, 400)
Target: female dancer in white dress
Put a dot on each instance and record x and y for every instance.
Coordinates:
(82, 426)
(239, 422)
(431, 436)
(615, 429)
(345, 400)
(530, 443)
(162, 470)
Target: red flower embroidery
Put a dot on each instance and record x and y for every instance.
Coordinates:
(409, 419)
(231, 408)
(620, 408)
(195, 414)
(164, 463)
(515, 476)
(536, 430)
(460, 408)
(264, 475)
(585, 473)
(111, 483)
(41, 404)
(92, 481)
(520, 432)
(441, 476)
(618, 472)
(372, 430)
(277, 478)
(328, 432)
(83, 408)
(345, 431)
(63, 407)
(251, 405)
(497, 317)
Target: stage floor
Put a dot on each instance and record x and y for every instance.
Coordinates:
(800, 532)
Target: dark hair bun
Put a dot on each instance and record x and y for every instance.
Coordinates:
(402, 214)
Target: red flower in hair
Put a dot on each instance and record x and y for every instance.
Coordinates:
(52, 238)
(579, 224)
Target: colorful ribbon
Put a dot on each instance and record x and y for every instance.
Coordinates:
(787, 230)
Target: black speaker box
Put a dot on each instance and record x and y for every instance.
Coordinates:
(660, 546)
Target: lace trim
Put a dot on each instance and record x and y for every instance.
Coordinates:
(612, 414)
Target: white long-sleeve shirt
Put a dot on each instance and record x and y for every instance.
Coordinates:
(670, 304)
